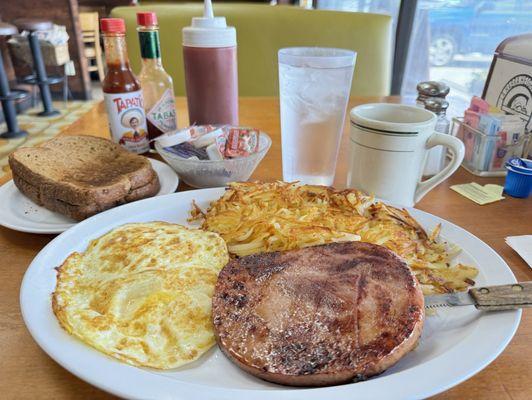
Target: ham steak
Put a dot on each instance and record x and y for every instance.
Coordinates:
(318, 316)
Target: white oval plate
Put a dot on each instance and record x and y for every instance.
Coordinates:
(21, 214)
(456, 343)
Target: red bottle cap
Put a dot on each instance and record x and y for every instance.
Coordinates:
(113, 25)
(146, 18)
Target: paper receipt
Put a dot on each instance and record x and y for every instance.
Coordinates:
(480, 194)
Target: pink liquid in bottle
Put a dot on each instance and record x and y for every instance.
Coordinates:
(209, 53)
(212, 85)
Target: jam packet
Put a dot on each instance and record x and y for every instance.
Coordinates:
(192, 133)
(207, 137)
(197, 131)
(241, 142)
(214, 153)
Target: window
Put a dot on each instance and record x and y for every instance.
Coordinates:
(454, 40)
(389, 7)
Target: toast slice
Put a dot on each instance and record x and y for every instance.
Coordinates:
(83, 171)
(80, 212)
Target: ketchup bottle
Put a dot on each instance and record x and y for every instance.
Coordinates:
(209, 54)
(121, 91)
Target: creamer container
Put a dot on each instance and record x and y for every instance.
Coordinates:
(157, 86)
(209, 53)
(121, 91)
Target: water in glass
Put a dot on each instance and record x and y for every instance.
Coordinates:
(313, 105)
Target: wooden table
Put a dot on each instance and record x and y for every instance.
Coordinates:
(27, 372)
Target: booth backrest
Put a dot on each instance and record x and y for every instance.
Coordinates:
(262, 30)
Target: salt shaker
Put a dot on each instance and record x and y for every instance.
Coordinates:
(430, 89)
(436, 156)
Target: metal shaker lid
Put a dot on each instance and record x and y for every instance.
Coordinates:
(432, 89)
(436, 104)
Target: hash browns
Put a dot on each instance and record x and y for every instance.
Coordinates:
(255, 217)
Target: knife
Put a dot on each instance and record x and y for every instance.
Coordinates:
(488, 298)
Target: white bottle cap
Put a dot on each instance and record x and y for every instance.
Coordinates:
(209, 31)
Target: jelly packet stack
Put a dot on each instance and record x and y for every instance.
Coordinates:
(209, 142)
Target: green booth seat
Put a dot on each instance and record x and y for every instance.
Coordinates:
(262, 30)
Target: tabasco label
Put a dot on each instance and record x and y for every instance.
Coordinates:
(127, 120)
(162, 115)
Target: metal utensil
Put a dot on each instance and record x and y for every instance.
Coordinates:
(488, 298)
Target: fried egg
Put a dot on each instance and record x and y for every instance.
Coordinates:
(142, 293)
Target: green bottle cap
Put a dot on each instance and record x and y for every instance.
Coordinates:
(149, 44)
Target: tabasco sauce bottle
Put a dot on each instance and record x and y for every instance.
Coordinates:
(157, 86)
(121, 91)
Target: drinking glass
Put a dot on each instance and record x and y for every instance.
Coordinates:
(314, 88)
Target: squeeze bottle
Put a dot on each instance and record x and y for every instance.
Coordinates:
(209, 54)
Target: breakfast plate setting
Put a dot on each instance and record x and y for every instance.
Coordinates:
(331, 239)
(132, 287)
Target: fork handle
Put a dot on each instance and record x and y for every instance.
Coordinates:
(503, 297)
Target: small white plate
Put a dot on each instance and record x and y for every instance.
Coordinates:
(21, 214)
(456, 342)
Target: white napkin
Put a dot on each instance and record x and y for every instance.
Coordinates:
(522, 245)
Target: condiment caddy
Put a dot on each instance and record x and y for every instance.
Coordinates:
(490, 138)
(485, 154)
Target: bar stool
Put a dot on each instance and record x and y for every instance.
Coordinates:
(8, 97)
(40, 78)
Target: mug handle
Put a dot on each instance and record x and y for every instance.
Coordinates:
(457, 150)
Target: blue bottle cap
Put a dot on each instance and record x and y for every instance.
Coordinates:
(520, 164)
(518, 182)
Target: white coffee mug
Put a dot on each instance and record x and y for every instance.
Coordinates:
(388, 143)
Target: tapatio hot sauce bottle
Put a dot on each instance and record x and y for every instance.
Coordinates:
(209, 55)
(157, 87)
(121, 91)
